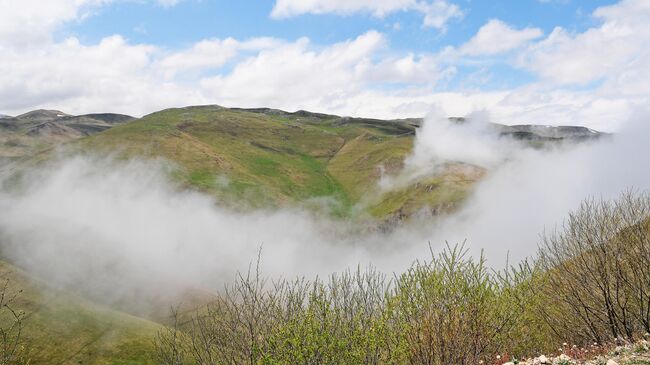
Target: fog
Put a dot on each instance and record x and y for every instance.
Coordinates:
(109, 227)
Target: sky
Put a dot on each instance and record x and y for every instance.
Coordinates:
(578, 62)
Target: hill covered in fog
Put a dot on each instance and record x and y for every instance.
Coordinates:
(267, 158)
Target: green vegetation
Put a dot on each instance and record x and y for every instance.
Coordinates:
(598, 270)
(590, 284)
(61, 328)
(266, 158)
(450, 310)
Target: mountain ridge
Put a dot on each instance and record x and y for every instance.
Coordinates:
(263, 157)
(268, 158)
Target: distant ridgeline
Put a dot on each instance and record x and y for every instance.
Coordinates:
(260, 158)
(31, 132)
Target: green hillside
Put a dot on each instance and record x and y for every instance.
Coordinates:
(61, 328)
(269, 158)
(266, 158)
(247, 159)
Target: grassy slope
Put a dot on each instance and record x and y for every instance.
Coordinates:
(260, 159)
(65, 329)
(279, 159)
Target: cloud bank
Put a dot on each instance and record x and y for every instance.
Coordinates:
(109, 227)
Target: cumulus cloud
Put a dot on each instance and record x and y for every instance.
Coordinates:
(362, 76)
(614, 47)
(84, 218)
(318, 79)
(498, 37)
(111, 75)
(212, 54)
(437, 13)
(30, 23)
(119, 76)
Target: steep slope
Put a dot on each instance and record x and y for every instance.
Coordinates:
(260, 158)
(61, 328)
(270, 158)
(252, 158)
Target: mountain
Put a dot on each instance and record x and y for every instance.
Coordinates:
(41, 129)
(270, 158)
(261, 158)
(548, 133)
(252, 158)
(246, 158)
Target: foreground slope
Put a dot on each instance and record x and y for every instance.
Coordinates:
(61, 328)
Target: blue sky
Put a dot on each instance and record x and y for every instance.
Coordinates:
(194, 20)
(190, 21)
(563, 61)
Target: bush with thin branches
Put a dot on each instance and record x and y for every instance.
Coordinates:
(597, 268)
(451, 309)
(12, 320)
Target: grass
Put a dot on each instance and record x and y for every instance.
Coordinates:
(271, 160)
(61, 328)
(437, 194)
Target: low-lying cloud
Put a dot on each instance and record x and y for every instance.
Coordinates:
(107, 226)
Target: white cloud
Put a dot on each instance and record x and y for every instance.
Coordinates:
(360, 77)
(168, 3)
(436, 12)
(111, 75)
(213, 53)
(26, 22)
(349, 78)
(498, 37)
(614, 47)
(295, 74)
(118, 76)
(31, 22)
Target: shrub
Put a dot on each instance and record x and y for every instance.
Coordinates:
(590, 283)
(12, 321)
(449, 310)
(598, 271)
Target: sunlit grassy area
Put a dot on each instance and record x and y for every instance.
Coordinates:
(264, 159)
